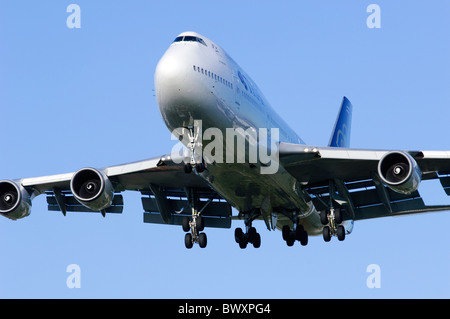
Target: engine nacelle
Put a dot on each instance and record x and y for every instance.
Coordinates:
(92, 189)
(400, 172)
(15, 201)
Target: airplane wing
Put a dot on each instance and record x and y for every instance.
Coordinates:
(167, 192)
(350, 178)
(366, 183)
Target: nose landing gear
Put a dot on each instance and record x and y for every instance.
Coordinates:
(195, 148)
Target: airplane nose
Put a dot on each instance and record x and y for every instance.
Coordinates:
(169, 77)
(181, 94)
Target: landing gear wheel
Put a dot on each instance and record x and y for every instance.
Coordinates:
(202, 241)
(323, 217)
(285, 232)
(290, 239)
(188, 241)
(193, 225)
(200, 223)
(301, 235)
(290, 236)
(326, 233)
(341, 233)
(257, 241)
(337, 216)
(243, 243)
(238, 235)
(252, 236)
(332, 226)
(200, 167)
(185, 224)
(187, 168)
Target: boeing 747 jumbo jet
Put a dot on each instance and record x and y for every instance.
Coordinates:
(235, 151)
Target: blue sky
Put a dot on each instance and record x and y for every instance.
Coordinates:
(71, 98)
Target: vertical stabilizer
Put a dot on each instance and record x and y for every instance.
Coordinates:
(340, 137)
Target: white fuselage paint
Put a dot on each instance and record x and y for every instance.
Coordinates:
(194, 81)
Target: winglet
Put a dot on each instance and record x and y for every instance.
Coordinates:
(340, 137)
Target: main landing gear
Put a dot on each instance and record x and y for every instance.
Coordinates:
(297, 233)
(290, 236)
(194, 228)
(250, 235)
(332, 219)
(196, 224)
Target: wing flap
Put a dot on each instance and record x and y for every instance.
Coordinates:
(64, 201)
(215, 211)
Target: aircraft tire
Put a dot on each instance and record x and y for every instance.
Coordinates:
(257, 241)
(185, 224)
(238, 235)
(188, 241)
(202, 240)
(341, 233)
(200, 223)
(326, 233)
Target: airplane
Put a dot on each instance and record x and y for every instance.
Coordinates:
(235, 151)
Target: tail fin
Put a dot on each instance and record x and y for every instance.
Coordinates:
(340, 137)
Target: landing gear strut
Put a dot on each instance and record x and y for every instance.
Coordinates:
(194, 225)
(331, 219)
(250, 235)
(196, 160)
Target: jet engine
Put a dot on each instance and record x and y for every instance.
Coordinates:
(400, 172)
(15, 201)
(92, 189)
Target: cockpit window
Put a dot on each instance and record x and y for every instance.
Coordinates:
(189, 38)
(201, 41)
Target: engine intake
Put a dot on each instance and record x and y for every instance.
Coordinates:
(15, 201)
(400, 172)
(92, 189)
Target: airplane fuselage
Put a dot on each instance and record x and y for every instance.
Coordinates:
(197, 80)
